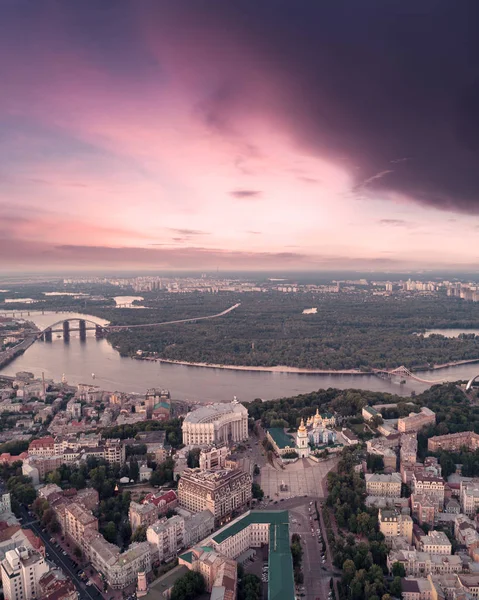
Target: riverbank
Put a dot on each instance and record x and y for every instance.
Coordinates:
(295, 370)
(276, 369)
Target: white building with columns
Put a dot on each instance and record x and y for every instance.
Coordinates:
(216, 423)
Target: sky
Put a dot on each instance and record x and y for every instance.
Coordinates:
(239, 134)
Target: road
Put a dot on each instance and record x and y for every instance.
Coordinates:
(316, 573)
(221, 314)
(63, 562)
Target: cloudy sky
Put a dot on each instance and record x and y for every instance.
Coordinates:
(239, 134)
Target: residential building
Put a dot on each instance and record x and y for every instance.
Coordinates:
(164, 501)
(408, 452)
(416, 421)
(41, 464)
(383, 485)
(77, 520)
(369, 413)
(221, 491)
(198, 526)
(469, 497)
(416, 588)
(55, 585)
(42, 447)
(120, 569)
(423, 509)
(21, 570)
(393, 524)
(430, 486)
(436, 542)
(469, 583)
(167, 536)
(420, 564)
(216, 423)
(219, 571)
(13, 536)
(5, 504)
(142, 515)
(454, 441)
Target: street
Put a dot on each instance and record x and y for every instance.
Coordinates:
(316, 573)
(55, 556)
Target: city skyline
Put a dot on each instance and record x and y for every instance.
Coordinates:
(238, 135)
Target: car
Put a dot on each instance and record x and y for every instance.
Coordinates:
(64, 553)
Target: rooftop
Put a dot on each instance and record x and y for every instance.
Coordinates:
(281, 583)
(281, 438)
(211, 412)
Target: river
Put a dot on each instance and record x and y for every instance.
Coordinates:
(79, 359)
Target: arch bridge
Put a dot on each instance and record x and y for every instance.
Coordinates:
(472, 383)
(85, 325)
(404, 372)
(64, 327)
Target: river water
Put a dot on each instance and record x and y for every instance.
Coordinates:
(79, 359)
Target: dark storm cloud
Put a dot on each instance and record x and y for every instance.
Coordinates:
(387, 88)
(245, 194)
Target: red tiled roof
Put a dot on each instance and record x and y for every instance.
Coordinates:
(35, 541)
(164, 498)
(46, 441)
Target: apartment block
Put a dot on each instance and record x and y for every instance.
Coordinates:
(198, 526)
(393, 524)
(420, 564)
(119, 568)
(432, 487)
(408, 452)
(21, 571)
(142, 515)
(416, 421)
(454, 442)
(436, 542)
(42, 447)
(423, 509)
(166, 537)
(77, 520)
(383, 485)
(469, 497)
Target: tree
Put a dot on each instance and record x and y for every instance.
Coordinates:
(257, 492)
(349, 570)
(54, 477)
(193, 458)
(134, 470)
(139, 534)
(398, 570)
(396, 588)
(188, 587)
(77, 552)
(109, 532)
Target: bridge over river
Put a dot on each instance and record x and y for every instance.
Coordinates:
(65, 325)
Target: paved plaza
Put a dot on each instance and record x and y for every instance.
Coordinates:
(304, 477)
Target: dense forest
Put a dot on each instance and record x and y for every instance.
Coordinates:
(349, 331)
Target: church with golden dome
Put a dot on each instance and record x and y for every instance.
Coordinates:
(310, 435)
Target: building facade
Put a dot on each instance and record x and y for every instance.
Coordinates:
(416, 421)
(142, 515)
(393, 524)
(383, 485)
(166, 537)
(221, 491)
(215, 424)
(21, 570)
